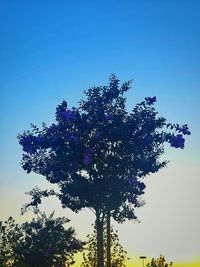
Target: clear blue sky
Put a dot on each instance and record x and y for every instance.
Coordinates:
(50, 50)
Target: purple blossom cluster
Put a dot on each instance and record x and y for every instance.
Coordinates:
(27, 142)
(150, 100)
(132, 180)
(97, 135)
(52, 128)
(141, 186)
(87, 156)
(40, 141)
(177, 141)
(74, 139)
(109, 117)
(67, 115)
(181, 129)
(132, 199)
(31, 143)
(185, 130)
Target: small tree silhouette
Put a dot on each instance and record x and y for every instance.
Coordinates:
(43, 242)
(159, 262)
(119, 255)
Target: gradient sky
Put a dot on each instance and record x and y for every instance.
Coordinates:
(53, 50)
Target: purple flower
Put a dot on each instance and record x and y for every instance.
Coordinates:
(185, 130)
(132, 180)
(87, 159)
(141, 186)
(97, 135)
(52, 128)
(132, 199)
(25, 140)
(109, 117)
(41, 141)
(68, 115)
(87, 156)
(90, 150)
(27, 143)
(177, 141)
(74, 139)
(150, 100)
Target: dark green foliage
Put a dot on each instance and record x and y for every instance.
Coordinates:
(40, 243)
(119, 255)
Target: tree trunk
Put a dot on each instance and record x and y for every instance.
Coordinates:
(108, 237)
(100, 247)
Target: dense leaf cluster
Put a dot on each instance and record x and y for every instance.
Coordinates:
(43, 242)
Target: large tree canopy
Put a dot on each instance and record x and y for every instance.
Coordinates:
(99, 152)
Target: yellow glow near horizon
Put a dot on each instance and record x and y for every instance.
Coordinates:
(188, 264)
(135, 261)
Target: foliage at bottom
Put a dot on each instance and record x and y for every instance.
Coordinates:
(43, 242)
(159, 262)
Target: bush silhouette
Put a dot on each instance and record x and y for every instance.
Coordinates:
(43, 242)
(159, 262)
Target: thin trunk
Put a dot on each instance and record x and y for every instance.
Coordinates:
(100, 248)
(108, 237)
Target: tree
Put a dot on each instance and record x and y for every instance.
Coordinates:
(119, 255)
(159, 262)
(99, 153)
(42, 242)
